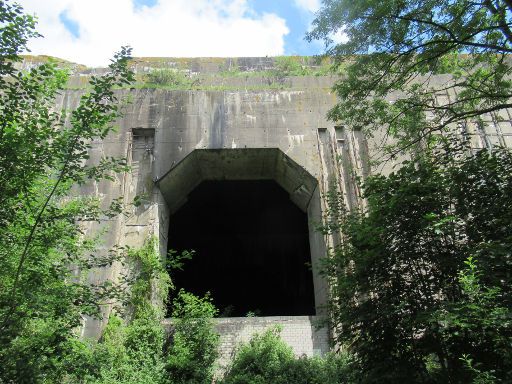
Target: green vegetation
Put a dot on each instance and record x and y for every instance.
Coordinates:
(275, 78)
(421, 278)
(44, 256)
(171, 79)
(231, 79)
(267, 359)
(420, 283)
(137, 350)
(213, 87)
(193, 349)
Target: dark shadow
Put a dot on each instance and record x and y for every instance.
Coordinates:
(252, 248)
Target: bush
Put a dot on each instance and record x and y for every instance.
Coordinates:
(170, 78)
(194, 343)
(408, 295)
(133, 351)
(127, 354)
(290, 66)
(267, 359)
(44, 155)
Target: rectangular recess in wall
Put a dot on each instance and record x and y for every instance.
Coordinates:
(345, 166)
(143, 141)
(326, 154)
(139, 131)
(363, 153)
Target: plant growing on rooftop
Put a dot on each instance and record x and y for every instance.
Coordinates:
(172, 78)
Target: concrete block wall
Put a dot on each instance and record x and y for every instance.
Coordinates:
(301, 333)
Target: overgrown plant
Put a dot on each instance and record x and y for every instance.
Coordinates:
(286, 66)
(398, 297)
(194, 343)
(131, 349)
(44, 251)
(148, 280)
(137, 349)
(43, 154)
(479, 319)
(267, 359)
(170, 78)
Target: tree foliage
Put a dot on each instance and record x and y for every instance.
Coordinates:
(138, 349)
(44, 255)
(193, 349)
(421, 279)
(393, 49)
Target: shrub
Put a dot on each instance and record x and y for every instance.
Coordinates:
(193, 350)
(267, 359)
(407, 293)
(290, 66)
(170, 78)
(132, 351)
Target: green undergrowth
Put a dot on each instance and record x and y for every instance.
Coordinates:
(266, 358)
(215, 87)
(284, 66)
(136, 348)
(275, 78)
(203, 87)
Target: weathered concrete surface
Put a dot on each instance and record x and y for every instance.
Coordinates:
(259, 131)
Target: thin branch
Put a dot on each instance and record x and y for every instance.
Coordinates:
(454, 38)
(501, 14)
(437, 128)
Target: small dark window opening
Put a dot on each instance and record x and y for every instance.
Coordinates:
(251, 248)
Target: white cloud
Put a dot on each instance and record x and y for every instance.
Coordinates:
(172, 28)
(339, 36)
(308, 5)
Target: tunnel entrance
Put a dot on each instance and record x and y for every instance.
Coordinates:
(251, 247)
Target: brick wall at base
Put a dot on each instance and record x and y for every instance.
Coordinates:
(299, 332)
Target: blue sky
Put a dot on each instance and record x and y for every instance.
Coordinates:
(89, 32)
(297, 19)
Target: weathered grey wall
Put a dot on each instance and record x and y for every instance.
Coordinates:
(161, 128)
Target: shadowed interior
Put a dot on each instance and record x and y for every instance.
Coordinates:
(251, 248)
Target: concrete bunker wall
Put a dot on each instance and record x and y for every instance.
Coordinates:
(174, 139)
(159, 129)
(177, 139)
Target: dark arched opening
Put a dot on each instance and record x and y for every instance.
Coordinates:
(251, 248)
